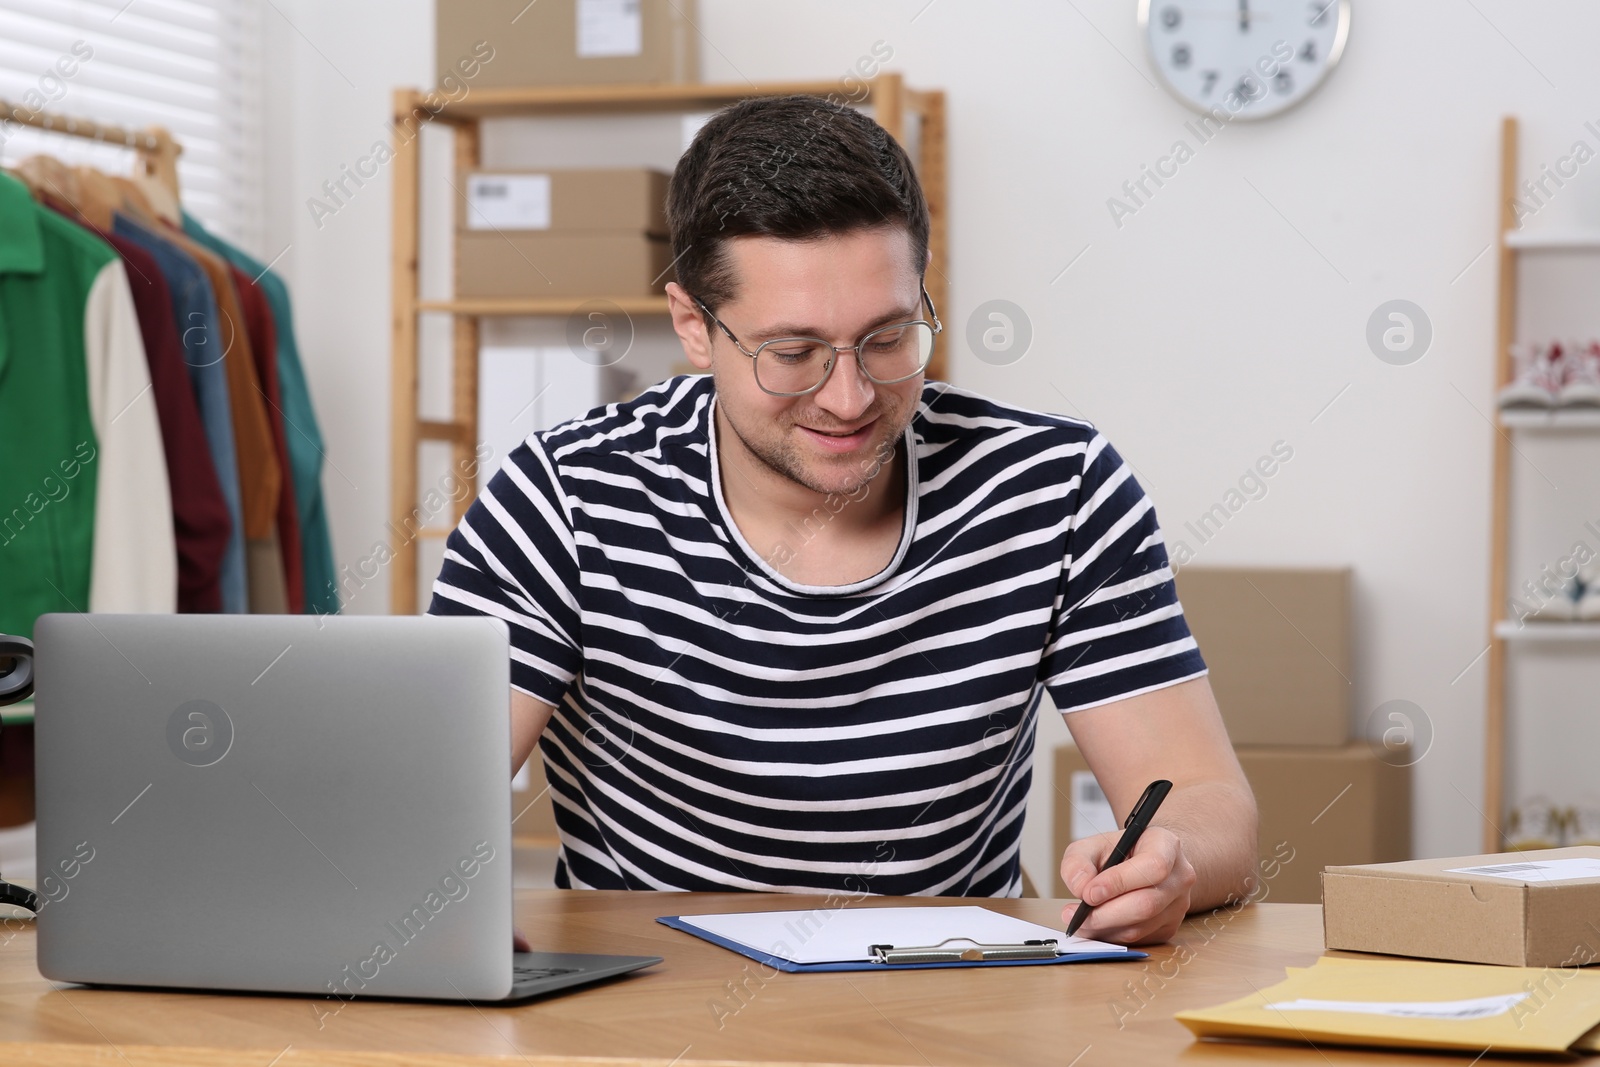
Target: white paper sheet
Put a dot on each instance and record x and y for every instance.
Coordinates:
(609, 28)
(508, 202)
(1477, 1008)
(841, 935)
(1570, 869)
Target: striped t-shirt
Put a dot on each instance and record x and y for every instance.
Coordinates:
(719, 727)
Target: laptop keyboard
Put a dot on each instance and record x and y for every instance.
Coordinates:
(527, 974)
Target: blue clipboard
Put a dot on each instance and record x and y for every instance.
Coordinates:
(677, 922)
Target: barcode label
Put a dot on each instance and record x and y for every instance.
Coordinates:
(1569, 869)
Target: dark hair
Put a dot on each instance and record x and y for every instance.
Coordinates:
(797, 167)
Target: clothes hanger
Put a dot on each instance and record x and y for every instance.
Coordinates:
(48, 176)
(99, 198)
(156, 175)
(136, 200)
(156, 196)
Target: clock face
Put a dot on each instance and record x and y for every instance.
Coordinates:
(1248, 59)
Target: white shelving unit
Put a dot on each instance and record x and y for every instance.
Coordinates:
(1556, 421)
(1506, 633)
(1553, 239)
(1547, 632)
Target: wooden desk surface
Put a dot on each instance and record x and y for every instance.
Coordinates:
(705, 1004)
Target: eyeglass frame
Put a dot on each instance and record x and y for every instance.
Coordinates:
(936, 326)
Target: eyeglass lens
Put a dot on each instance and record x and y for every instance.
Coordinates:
(797, 364)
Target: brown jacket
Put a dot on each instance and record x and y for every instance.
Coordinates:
(261, 477)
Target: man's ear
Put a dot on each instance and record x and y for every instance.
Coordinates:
(689, 323)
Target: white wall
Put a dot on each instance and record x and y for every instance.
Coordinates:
(1221, 318)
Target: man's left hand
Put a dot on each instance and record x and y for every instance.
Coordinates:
(1141, 900)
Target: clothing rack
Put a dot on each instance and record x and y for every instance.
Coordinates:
(158, 155)
(158, 150)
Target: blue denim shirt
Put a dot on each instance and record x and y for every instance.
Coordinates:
(302, 434)
(195, 308)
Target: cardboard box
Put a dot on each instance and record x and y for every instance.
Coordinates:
(1424, 908)
(630, 199)
(1327, 805)
(1318, 806)
(569, 42)
(593, 263)
(1278, 645)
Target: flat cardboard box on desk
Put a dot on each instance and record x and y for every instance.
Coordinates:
(569, 42)
(1506, 915)
(1277, 641)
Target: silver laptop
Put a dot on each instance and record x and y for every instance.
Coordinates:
(294, 804)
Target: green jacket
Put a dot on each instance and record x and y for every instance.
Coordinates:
(85, 505)
(47, 441)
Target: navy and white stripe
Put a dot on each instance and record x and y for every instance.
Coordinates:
(718, 727)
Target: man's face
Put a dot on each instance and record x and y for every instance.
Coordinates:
(837, 288)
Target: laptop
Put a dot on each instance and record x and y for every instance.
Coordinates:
(289, 804)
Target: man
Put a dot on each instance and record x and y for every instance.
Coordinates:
(788, 627)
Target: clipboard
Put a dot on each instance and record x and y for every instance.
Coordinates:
(880, 939)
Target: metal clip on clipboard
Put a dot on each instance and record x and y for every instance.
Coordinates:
(971, 952)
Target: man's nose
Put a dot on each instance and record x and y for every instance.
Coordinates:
(848, 392)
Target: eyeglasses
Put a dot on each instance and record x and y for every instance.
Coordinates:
(797, 366)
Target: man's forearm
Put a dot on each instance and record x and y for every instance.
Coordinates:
(1217, 823)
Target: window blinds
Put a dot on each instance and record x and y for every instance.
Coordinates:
(192, 66)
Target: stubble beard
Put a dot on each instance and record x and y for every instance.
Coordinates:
(784, 457)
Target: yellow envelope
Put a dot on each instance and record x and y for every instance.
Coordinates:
(1415, 1004)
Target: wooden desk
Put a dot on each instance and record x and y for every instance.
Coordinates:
(706, 1004)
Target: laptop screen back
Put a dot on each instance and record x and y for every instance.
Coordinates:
(296, 804)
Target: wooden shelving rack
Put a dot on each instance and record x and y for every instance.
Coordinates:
(892, 102)
(1504, 633)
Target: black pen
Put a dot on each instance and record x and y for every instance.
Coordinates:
(1138, 819)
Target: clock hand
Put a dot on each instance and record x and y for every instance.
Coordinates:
(1244, 16)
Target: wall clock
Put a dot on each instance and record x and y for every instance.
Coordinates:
(1247, 60)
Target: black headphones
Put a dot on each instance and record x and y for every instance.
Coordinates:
(16, 683)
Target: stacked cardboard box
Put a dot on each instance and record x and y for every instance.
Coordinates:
(1278, 645)
(1319, 806)
(563, 233)
(569, 42)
